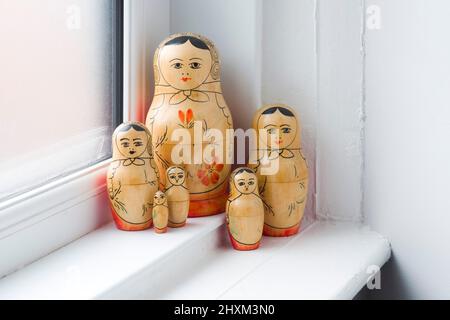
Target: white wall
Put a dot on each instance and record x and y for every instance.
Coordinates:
(289, 70)
(407, 177)
(234, 27)
(340, 110)
(265, 59)
(271, 51)
(305, 53)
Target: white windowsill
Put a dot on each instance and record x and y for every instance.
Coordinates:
(49, 217)
(326, 261)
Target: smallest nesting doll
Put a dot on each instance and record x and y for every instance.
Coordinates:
(177, 196)
(245, 210)
(160, 212)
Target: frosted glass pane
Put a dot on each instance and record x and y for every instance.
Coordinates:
(56, 91)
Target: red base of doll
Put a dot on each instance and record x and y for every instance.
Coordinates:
(280, 232)
(243, 247)
(159, 231)
(209, 207)
(126, 226)
(177, 225)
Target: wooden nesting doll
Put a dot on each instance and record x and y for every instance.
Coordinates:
(281, 169)
(188, 96)
(177, 196)
(245, 210)
(132, 177)
(160, 212)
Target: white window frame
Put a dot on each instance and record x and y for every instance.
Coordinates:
(48, 217)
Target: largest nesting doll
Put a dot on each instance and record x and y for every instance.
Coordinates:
(188, 96)
(281, 169)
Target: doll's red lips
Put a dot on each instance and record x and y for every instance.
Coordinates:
(186, 79)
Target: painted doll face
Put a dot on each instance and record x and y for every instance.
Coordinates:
(132, 143)
(279, 130)
(176, 176)
(160, 198)
(184, 66)
(245, 182)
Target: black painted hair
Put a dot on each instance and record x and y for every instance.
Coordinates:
(183, 39)
(132, 126)
(283, 111)
(245, 170)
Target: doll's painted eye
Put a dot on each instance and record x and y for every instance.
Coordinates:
(286, 130)
(180, 176)
(195, 65)
(125, 144)
(250, 183)
(138, 144)
(177, 65)
(271, 131)
(241, 183)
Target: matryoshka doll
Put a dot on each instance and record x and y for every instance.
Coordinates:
(188, 95)
(281, 169)
(160, 212)
(132, 177)
(245, 210)
(177, 196)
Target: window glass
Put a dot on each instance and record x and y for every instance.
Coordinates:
(56, 89)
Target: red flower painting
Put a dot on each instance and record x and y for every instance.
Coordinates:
(209, 173)
(186, 119)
